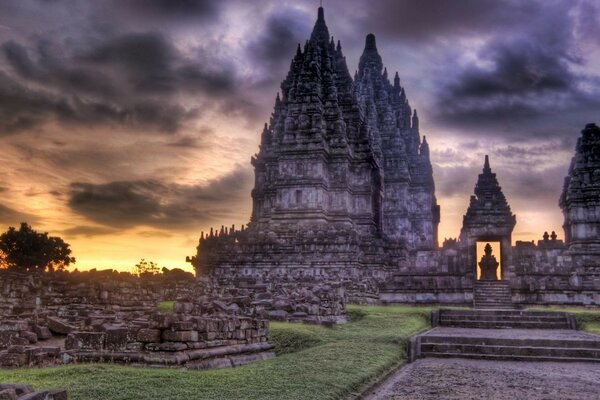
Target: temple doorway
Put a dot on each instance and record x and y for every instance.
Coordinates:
(496, 252)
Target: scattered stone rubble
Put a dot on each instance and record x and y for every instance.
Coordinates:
(57, 322)
(284, 299)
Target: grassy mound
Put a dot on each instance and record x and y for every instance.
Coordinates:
(314, 363)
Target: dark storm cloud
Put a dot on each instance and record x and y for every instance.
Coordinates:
(153, 203)
(136, 64)
(276, 45)
(176, 9)
(523, 81)
(22, 108)
(421, 20)
(139, 80)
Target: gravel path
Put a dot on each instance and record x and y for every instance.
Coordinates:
(457, 378)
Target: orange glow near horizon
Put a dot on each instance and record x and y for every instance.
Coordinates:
(495, 252)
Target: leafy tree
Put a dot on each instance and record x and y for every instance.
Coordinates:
(28, 250)
(146, 268)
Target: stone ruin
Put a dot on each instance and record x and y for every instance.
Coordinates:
(49, 320)
(344, 195)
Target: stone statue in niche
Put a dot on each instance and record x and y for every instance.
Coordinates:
(489, 265)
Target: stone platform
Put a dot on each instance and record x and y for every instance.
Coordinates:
(505, 335)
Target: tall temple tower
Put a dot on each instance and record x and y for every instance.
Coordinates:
(580, 198)
(318, 163)
(343, 180)
(343, 152)
(410, 209)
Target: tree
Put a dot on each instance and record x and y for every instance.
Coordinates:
(146, 268)
(27, 250)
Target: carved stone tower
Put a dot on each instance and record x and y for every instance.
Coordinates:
(580, 198)
(488, 218)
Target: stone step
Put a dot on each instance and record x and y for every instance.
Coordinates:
(506, 324)
(517, 318)
(514, 342)
(528, 351)
(507, 357)
(496, 318)
(462, 312)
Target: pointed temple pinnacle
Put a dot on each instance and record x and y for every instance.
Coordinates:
(320, 33)
(486, 164)
(370, 42)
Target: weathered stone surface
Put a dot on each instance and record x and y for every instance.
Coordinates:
(85, 341)
(148, 335)
(59, 326)
(116, 338)
(8, 394)
(180, 336)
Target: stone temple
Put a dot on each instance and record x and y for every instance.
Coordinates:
(344, 194)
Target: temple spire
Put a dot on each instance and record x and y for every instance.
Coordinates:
(320, 33)
(370, 42)
(486, 165)
(415, 120)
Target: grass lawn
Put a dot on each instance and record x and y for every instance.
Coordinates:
(313, 362)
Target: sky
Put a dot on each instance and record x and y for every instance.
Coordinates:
(127, 126)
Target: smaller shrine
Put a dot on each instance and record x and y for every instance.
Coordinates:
(488, 265)
(488, 219)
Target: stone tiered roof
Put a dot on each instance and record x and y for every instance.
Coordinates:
(488, 205)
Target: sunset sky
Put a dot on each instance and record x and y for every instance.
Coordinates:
(127, 126)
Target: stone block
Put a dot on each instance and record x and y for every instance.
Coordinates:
(13, 325)
(115, 338)
(8, 394)
(182, 326)
(180, 336)
(58, 394)
(13, 360)
(59, 326)
(42, 332)
(85, 341)
(166, 346)
(149, 335)
(30, 336)
(6, 338)
(278, 315)
(20, 389)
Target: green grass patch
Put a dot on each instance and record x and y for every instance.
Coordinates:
(166, 306)
(314, 362)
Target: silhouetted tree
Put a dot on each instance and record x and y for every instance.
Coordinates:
(28, 250)
(177, 274)
(146, 268)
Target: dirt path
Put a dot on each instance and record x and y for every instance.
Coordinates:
(436, 378)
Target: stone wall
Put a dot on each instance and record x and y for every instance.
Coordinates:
(549, 274)
(62, 318)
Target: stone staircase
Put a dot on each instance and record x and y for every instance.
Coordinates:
(505, 335)
(503, 319)
(492, 295)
